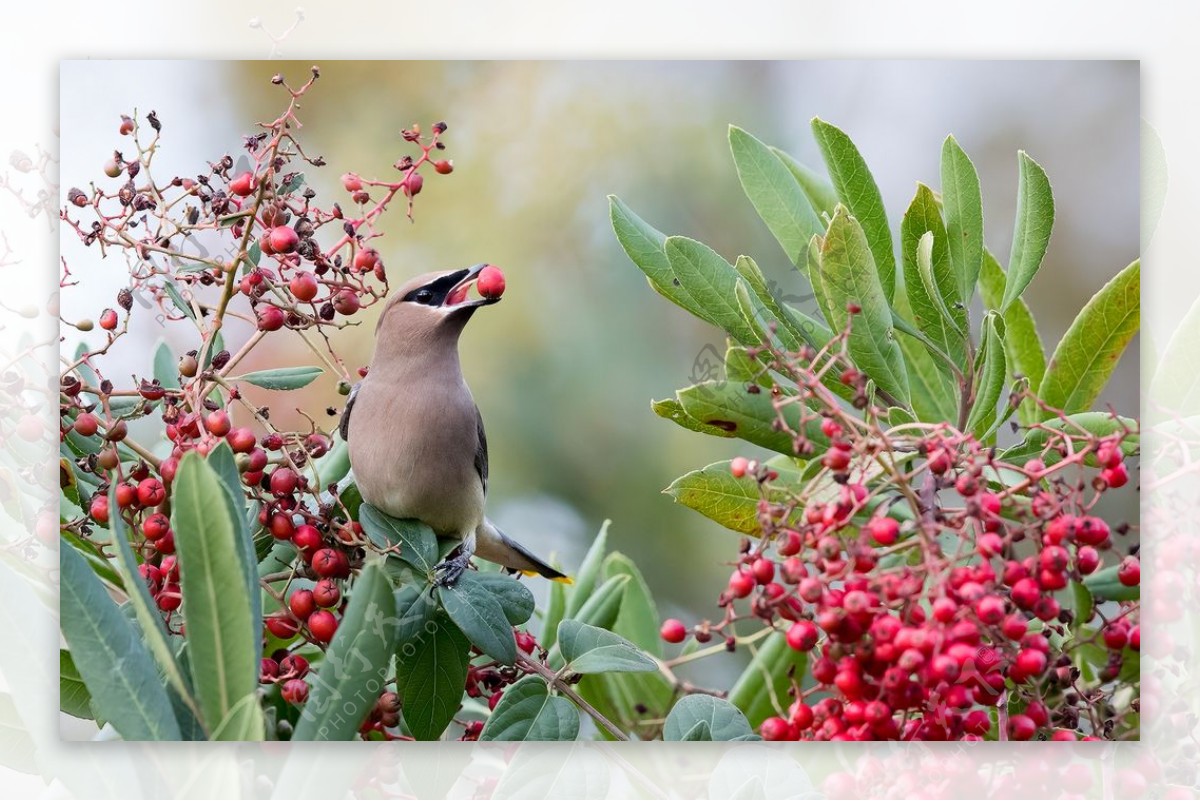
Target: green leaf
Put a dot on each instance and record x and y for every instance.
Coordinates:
(73, 695)
(671, 409)
(710, 282)
(600, 608)
(792, 327)
(1084, 604)
(355, 666)
(1084, 425)
(95, 559)
(110, 657)
(177, 299)
(777, 196)
(166, 366)
(528, 712)
(474, 609)
(294, 182)
(849, 277)
(857, 190)
(589, 649)
(556, 607)
(714, 492)
(930, 284)
(767, 679)
(222, 649)
(281, 377)
(989, 382)
(742, 368)
(432, 656)
(748, 415)
(1175, 387)
(812, 271)
(963, 202)
(1022, 344)
(644, 246)
(1105, 586)
(725, 721)
(418, 543)
(145, 611)
(1035, 219)
(821, 194)
(221, 459)
(514, 597)
(1088, 352)
(587, 577)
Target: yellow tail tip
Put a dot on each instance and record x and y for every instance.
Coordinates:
(560, 579)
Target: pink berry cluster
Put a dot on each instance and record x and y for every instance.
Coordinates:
(273, 259)
(925, 577)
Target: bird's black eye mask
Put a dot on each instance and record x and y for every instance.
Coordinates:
(434, 293)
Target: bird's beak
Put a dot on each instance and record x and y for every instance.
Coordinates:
(459, 298)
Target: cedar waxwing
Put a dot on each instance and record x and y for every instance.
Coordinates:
(415, 435)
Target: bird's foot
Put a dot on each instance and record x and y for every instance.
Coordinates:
(447, 572)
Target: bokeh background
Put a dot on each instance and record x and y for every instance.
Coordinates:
(564, 370)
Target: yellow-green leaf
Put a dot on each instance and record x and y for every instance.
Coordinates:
(1035, 219)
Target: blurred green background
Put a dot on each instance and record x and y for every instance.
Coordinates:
(565, 368)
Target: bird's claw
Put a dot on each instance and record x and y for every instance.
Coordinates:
(447, 572)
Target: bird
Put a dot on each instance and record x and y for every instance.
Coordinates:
(414, 433)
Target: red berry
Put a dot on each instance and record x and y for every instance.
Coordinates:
(283, 481)
(352, 182)
(1029, 663)
(977, 722)
(270, 318)
(169, 598)
(282, 626)
(1087, 559)
(346, 303)
(217, 423)
(1025, 593)
(741, 584)
(1091, 531)
(802, 636)
(1015, 627)
(443, 167)
(830, 428)
(326, 563)
(1135, 638)
(836, 459)
(527, 642)
(99, 509)
(307, 540)
(1109, 455)
(302, 603)
(990, 609)
(322, 625)
(763, 570)
(490, 282)
(281, 526)
(126, 495)
(241, 440)
(151, 492)
(1059, 529)
(776, 729)
(883, 530)
(326, 593)
(366, 259)
(243, 184)
(293, 666)
(673, 631)
(304, 287)
(294, 691)
(1038, 713)
(268, 670)
(165, 543)
(413, 184)
(989, 502)
(1116, 636)
(738, 466)
(1130, 571)
(1035, 467)
(86, 424)
(284, 239)
(1021, 727)
(108, 320)
(1054, 558)
(944, 609)
(155, 526)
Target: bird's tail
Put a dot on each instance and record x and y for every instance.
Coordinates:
(494, 545)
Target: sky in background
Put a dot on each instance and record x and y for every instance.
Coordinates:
(565, 368)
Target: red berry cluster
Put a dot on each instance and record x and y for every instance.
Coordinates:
(490, 680)
(925, 590)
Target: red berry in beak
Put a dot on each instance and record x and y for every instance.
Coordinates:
(490, 282)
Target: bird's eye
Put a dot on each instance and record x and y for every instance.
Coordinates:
(424, 296)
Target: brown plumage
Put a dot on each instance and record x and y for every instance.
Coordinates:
(416, 438)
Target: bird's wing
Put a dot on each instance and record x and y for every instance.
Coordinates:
(344, 423)
(481, 454)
